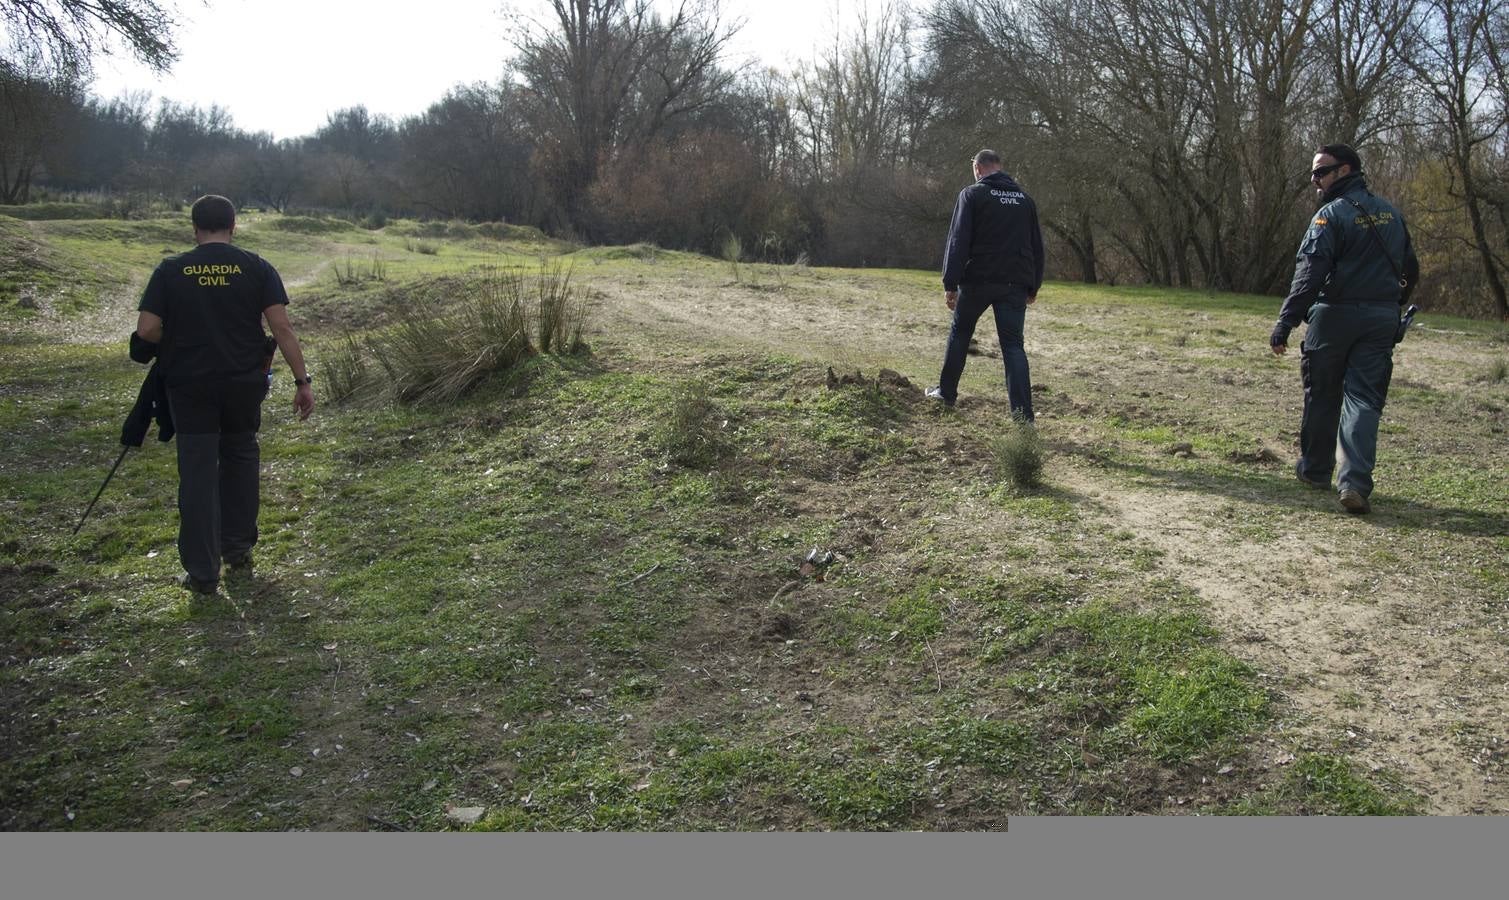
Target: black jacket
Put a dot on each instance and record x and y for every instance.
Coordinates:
(151, 400)
(995, 237)
(1340, 261)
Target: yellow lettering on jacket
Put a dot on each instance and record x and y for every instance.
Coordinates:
(212, 270)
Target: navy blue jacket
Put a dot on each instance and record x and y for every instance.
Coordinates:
(1340, 262)
(995, 237)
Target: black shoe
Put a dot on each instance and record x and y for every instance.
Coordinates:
(240, 564)
(936, 393)
(1353, 502)
(194, 585)
(1310, 482)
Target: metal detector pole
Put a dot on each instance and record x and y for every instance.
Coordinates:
(118, 459)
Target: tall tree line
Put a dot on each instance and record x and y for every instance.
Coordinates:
(1167, 141)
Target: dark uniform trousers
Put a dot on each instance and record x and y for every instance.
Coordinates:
(218, 462)
(1009, 302)
(1346, 362)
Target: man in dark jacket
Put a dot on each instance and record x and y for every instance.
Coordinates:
(1355, 268)
(204, 310)
(994, 260)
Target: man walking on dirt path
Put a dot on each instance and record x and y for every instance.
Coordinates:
(994, 260)
(204, 311)
(1356, 268)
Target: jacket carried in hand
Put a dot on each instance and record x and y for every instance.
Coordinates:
(151, 400)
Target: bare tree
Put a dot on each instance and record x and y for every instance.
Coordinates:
(1453, 51)
(467, 156)
(852, 100)
(65, 34)
(605, 74)
(275, 171)
(34, 110)
(1359, 46)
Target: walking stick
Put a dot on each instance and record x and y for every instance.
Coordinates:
(102, 488)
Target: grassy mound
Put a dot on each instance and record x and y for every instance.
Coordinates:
(306, 224)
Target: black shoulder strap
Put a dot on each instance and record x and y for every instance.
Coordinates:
(1373, 229)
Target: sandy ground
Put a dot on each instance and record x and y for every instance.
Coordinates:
(1401, 665)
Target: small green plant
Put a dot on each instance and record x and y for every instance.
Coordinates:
(690, 435)
(426, 248)
(353, 272)
(1328, 784)
(1019, 455)
(732, 251)
(1498, 370)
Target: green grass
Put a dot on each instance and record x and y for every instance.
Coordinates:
(1328, 785)
(575, 595)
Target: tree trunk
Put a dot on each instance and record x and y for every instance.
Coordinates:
(1480, 231)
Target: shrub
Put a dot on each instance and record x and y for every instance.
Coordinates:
(355, 271)
(1019, 455)
(690, 435)
(561, 311)
(428, 248)
(439, 355)
(450, 339)
(343, 371)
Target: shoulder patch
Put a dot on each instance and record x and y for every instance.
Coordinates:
(1320, 221)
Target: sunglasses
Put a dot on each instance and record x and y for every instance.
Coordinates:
(1322, 171)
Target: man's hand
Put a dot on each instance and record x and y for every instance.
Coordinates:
(950, 299)
(1278, 341)
(1031, 299)
(303, 401)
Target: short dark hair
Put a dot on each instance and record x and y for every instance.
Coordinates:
(213, 212)
(987, 158)
(1343, 153)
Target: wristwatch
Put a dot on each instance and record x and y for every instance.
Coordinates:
(300, 382)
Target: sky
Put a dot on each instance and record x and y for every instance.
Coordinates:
(281, 66)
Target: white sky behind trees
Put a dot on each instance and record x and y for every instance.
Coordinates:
(281, 66)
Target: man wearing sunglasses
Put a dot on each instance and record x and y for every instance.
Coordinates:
(1355, 269)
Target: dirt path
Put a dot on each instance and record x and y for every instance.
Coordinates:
(1402, 667)
(1394, 672)
(113, 314)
